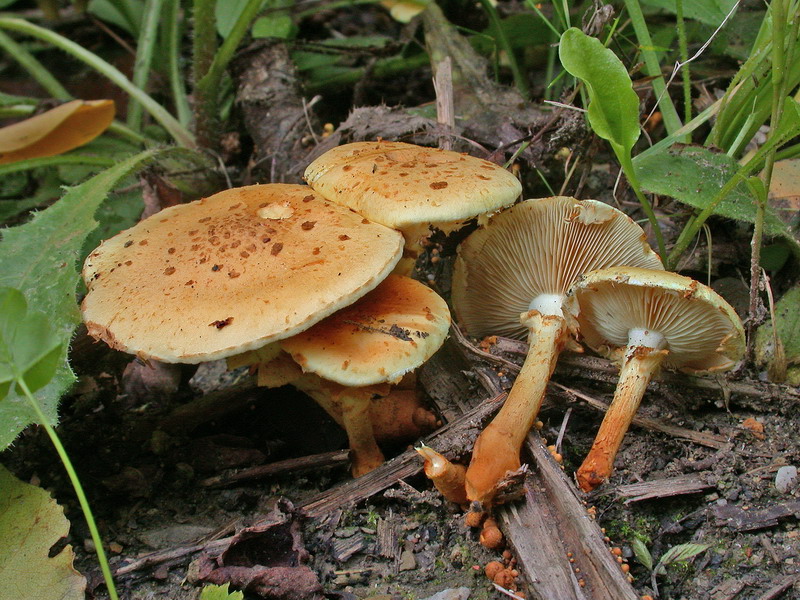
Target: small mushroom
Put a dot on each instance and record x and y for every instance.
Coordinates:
(412, 188)
(447, 476)
(511, 278)
(375, 341)
(232, 272)
(647, 319)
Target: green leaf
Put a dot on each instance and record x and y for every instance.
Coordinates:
(29, 348)
(226, 13)
(31, 524)
(613, 105)
(219, 592)
(278, 25)
(710, 12)
(642, 554)
(787, 316)
(693, 175)
(679, 553)
(39, 259)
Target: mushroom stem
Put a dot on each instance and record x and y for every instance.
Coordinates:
(447, 477)
(640, 364)
(353, 406)
(498, 446)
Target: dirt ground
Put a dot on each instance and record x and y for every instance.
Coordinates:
(146, 487)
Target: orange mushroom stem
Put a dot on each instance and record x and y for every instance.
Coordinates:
(498, 447)
(447, 477)
(639, 366)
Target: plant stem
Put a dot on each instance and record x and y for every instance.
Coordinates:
(207, 87)
(685, 73)
(175, 129)
(76, 484)
(204, 45)
(779, 16)
(172, 42)
(671, 120)
(627, 168)
(148, 34)
(502, 40)
(34, 68)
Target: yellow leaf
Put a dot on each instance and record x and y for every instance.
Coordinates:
(31, 523)
(56, 131)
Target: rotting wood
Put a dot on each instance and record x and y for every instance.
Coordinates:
(291, 465)
(778, 589)
(551, 523)
(663, 488)
(739, 519)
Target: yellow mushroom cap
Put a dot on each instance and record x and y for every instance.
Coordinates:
(701, 331)
(232, 272)
(402, 185)
(392, 330)
(538, 248)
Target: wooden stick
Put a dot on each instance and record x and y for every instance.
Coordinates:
(291, 465)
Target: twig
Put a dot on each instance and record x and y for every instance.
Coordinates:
(291, 465)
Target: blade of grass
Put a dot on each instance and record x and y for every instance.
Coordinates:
(145, 47)
(683, 51)
(671, 119)
(34, 68)
(494, 18)
(181, 135)
(172, 41)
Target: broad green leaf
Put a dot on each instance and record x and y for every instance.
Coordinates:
(613, 105)
(29, 348)
(679, 553)
(226, 13)
(219, 592)
(710, 12)
(31, 523)
(126, 14)
(278, 25)
(787, 316)
(39, 259)
(693, 175)
(642, 554)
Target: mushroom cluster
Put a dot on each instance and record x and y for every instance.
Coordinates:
(281, 278)
(511, 278)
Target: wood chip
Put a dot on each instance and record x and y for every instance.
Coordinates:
(663, 488)
(739, 519)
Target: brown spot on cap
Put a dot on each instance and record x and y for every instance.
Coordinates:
(438, 185)
(307, 225)
(143, 243)
(171, 251)
(190, 282)
(276, 248)
(347, 167)
(216, 268)
(169, 270)
(344, 237)
(315, 251)
(233, 274)
(129, 243)
(308, 198)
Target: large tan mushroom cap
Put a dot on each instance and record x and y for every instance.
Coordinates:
(537, 249)
(402, 185)
(390, 331)
(232, 272)
(701, 331)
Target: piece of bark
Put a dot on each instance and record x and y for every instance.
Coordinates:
(551, 523)
(663, 488)
(386, 543)
(275, 115)
(738, 519)
(292, 465)
(778, 589)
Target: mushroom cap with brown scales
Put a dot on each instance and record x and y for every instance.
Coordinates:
(232, 272)
(701, 331)
(404, 185)
(529, 255)
(387, 333)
